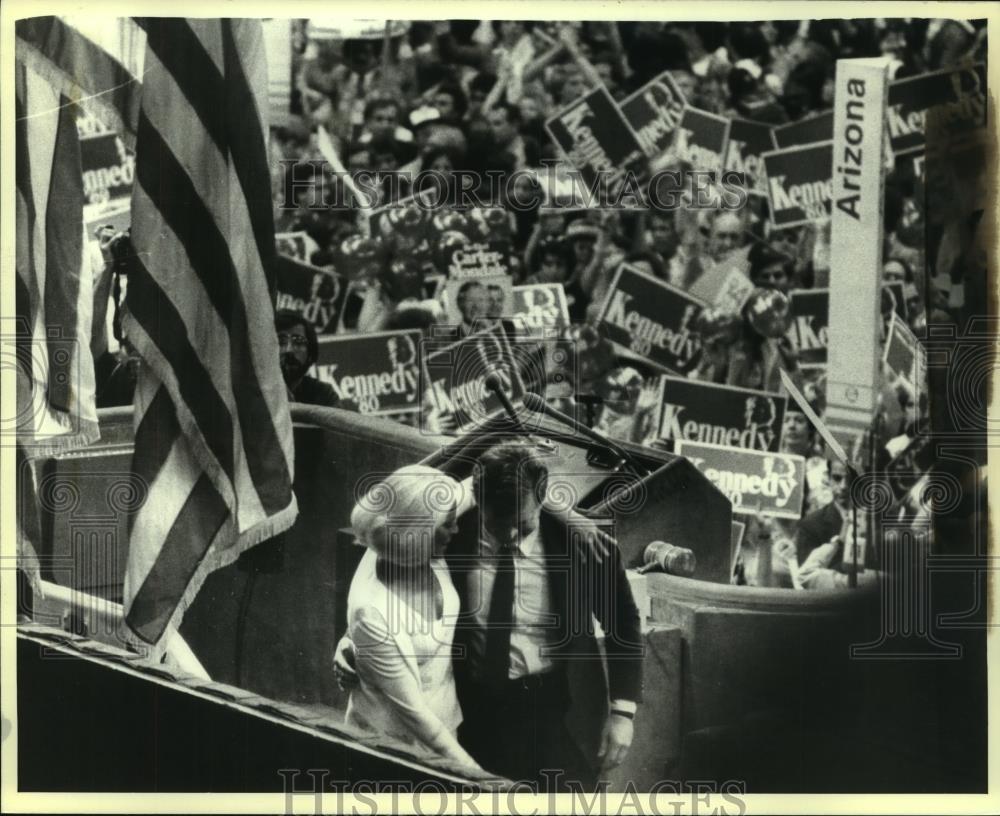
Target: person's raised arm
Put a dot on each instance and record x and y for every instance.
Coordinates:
(538, 64)
(568, 37)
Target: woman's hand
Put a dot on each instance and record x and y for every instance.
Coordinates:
(344, 666)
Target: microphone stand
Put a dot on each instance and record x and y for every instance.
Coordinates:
(535, 403)
(492, 382)
(852, 576)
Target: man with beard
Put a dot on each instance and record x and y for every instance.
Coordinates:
(299, 349)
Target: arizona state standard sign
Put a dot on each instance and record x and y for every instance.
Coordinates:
(856, 244)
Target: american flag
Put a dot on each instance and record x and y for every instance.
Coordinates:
(51, 332)
(54, 282)
(213, 438)
(213, 443)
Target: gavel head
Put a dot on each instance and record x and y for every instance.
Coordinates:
(669, 558)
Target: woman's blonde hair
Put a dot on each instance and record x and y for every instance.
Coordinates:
(395, 515)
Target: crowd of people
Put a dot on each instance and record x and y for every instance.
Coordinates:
(473, 96)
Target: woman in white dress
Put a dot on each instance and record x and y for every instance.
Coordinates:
(401, 611)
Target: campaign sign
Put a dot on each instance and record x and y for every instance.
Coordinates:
(959, 94)
(894, 299)
(454, 373)
(316, 294)
(903, 354)
(540, 309)
(765, 484)
(810, 312)
(376, 373)
(724, 285)
(696, 411)
(799, 184)
(701, 139)
(108, 168)
(471, 300)
(652, 319)
(653, 112)
(293, 244)
(597, 139)
(812, 129)
(479, 259)
(748, 141)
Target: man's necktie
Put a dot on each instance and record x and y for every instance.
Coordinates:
(496, 662)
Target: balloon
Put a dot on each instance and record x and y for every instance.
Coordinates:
(620, 385)
(360, 257)
(422, 255)
(449, 241)
(718, 324)
(768, 312)
(407, 221)
(450, 221)
(491, 222)
(403, 279)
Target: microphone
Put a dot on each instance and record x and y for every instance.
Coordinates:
(493, 382)
(535, 403)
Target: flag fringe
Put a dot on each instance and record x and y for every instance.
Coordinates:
(27, 561)
(86, 433)
(215, 559)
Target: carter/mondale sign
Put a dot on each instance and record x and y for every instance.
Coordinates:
(695, 411)
(652, 319)
(376, 373)
(765, 484)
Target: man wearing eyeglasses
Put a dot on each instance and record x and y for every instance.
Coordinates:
(299, 348)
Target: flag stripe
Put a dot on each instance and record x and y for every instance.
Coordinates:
(149, 305)
(177, 200)
(249, 152)
(64, 248)
(83, 65)
(196, 75)
(56, 399)
(154, 437)
(213, 434)
(27, 289)
(193, 531)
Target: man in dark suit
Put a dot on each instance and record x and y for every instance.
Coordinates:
(531, 583)
(822, 525)
(825, 538)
